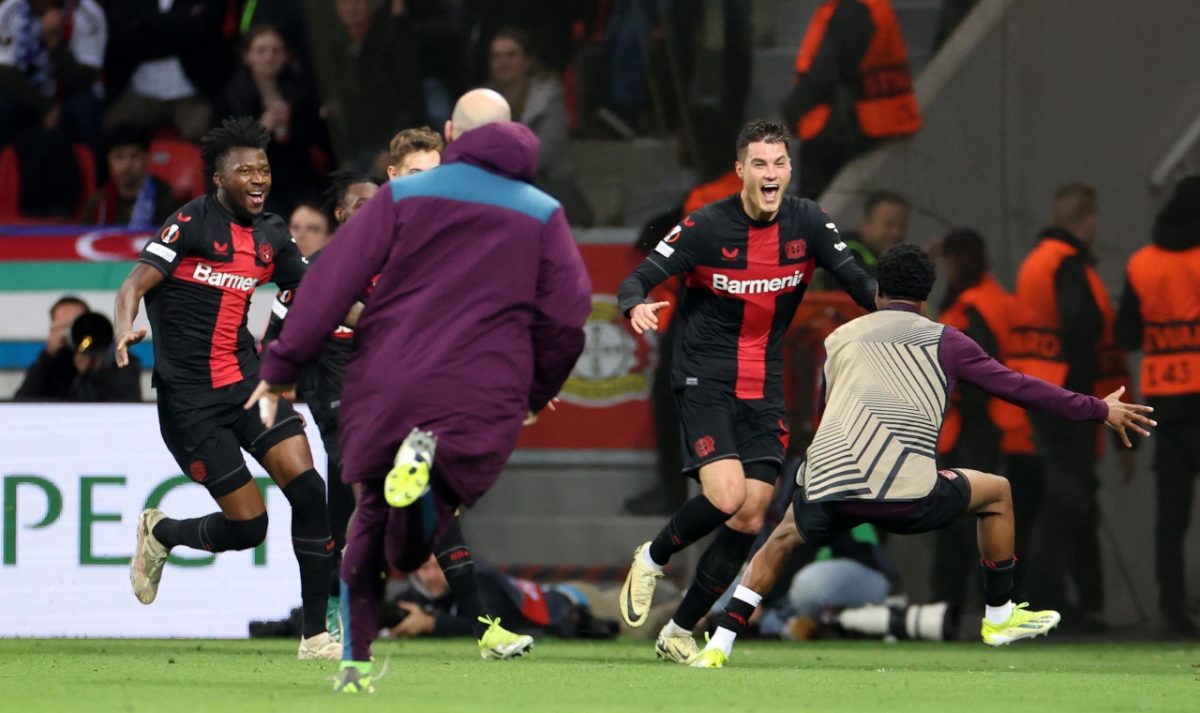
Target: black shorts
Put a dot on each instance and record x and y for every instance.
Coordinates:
(206, 430)
(821, 522)
(716, 425)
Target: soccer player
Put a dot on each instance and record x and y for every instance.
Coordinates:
(746, 262)
(321, 386)
(888, 378)
(413, 151)
(475, 322)
(197, 276)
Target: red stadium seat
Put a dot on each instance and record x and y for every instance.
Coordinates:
(178, 163)
(10, 183)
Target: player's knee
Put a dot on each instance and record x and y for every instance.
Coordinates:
(749, 522)
(728, 498)
(246, 534)
(306, 491)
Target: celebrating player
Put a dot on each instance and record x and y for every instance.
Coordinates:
(197, 277)
(746, 261)
(888, 378)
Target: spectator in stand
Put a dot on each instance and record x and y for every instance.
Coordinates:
(370, 78)
(50, 58)
(83, 367)
(536, 98)
(309, 226)
(267, 86)
(852, 88)
(53, 371)
(131, 196)
(167, 63)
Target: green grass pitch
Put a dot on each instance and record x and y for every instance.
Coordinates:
(81, 676)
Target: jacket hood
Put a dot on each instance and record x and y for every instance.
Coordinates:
(504, 147)
(1177, 225)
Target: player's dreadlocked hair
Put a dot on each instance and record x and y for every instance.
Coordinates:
(339, 184)
(905, 272)
(772, 132)
(234, 132)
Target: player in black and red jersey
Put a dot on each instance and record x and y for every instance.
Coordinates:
(197, 277)
(746, 262)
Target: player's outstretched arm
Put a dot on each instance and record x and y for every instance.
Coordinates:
(141, 279)
(1122, 416)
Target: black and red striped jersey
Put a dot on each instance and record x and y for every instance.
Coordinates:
(198, 314)
(743, 281)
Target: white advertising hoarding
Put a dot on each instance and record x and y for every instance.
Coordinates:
(73, 479)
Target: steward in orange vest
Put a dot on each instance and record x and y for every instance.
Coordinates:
(1160, 316)
(852, 87)
(1062, 332)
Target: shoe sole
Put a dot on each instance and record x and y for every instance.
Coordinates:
(408, 480)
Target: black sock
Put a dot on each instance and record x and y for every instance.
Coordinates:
(454, 557)
(718, 567)
(213, 532)
(737, 615)
(313, 547)
(693, 520)
(998, 581)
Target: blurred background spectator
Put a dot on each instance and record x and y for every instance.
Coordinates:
(536, 98)
(79, 363)
(268, 85)
(309, 226)
(51, 53)
(131, 196)
(167, 63)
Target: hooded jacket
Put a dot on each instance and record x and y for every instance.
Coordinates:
(477, 316)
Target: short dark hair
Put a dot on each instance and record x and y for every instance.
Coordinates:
(874, 198)
(1072, 203)
(234, 132)
(771, 132)
(125, 135)
(339, 185)
(905, 272)
(409, 141)
(257, 31)
(69, 300)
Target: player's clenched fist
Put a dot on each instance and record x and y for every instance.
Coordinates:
(645, 316)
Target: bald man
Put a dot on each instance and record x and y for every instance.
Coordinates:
(482, 296)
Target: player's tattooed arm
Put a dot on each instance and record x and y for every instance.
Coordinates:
(141, 279)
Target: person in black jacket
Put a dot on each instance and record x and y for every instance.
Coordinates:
(166, 66)
(83, 369)
(268, 87)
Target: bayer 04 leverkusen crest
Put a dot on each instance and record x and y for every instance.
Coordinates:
(617, 364)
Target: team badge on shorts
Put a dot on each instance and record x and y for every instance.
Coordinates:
(198, 470)
(705, 446)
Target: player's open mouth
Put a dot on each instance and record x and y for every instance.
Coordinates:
(256, 199)
(770, 191)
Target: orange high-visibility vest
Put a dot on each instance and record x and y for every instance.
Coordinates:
(995, 305)
(723, 186)
(1036, 341)
(1167, 284)
(886, 105)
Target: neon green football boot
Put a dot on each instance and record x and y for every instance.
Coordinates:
(1022, 624)
(408, 479)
